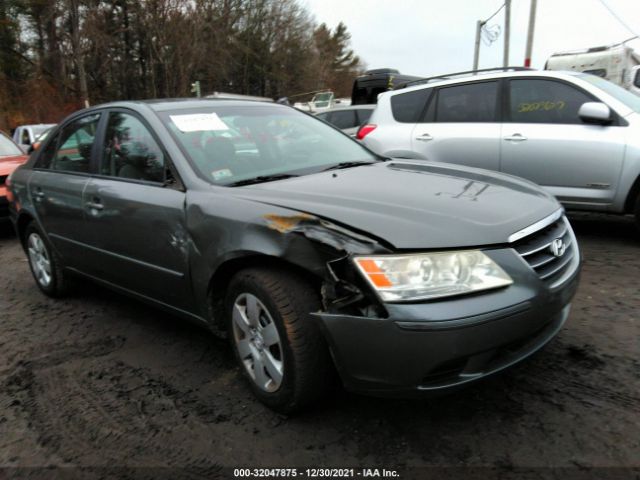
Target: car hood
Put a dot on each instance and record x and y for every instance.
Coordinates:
(9, 164)
(414, 205)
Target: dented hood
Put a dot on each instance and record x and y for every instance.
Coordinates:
(414, 205)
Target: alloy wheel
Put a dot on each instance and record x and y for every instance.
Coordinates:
(39, 259)
(258, 342)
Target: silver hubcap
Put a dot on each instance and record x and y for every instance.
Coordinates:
(39, 259)
(258, 342)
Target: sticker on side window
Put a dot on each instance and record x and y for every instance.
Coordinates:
(198, 122)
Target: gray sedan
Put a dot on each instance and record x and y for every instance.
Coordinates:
(316, 258)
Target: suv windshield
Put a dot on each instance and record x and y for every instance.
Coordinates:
(629, 99)
(232, 144)
(8, 148)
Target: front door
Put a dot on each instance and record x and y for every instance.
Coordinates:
(545, 141)
(136, 219)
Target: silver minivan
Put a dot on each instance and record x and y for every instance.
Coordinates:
(575, 134)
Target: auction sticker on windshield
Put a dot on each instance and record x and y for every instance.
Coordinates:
(198, 122)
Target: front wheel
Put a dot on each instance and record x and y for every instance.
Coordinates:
(279, 346)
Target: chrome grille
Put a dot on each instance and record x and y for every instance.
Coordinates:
(537, 249)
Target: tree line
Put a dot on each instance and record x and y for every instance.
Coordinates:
(58, 55)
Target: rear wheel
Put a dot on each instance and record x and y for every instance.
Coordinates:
(279, 346)
(44, 263)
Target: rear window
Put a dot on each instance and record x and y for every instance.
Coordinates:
(472, 103)
(407, 107)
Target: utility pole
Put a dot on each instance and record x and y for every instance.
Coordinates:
(507, 28)
(476, 52)
(532, 26)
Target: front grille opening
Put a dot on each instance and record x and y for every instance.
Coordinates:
(538, 251)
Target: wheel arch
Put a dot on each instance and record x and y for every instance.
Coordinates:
(221, 278)
(632, 196)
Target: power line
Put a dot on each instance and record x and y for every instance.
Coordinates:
(496, 12)
(618, 18)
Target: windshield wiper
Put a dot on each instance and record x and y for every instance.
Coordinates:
(341, 165)
(261, 179)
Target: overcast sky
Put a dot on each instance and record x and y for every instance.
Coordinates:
(425, 37)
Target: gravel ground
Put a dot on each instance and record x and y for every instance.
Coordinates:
(99, 380)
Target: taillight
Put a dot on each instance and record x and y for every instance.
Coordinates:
(365, 130)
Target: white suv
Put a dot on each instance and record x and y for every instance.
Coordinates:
(575, 134)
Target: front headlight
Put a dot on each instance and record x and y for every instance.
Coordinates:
(431, 275)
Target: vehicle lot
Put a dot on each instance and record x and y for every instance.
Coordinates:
(97, 379)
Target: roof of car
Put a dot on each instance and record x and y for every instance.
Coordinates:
(162, 104)
(487, 76)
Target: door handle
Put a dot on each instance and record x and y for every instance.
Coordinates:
(425, 137)
(516, 137)
(95, 204)
(38, 194)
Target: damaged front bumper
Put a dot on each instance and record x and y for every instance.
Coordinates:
(425, 347)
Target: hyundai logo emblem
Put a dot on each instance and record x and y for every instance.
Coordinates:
(558, 247)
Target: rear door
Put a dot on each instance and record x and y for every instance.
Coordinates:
(461, 125)
(136, 217)
(56, 187)
(545, 141)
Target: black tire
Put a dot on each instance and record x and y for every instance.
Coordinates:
(308, 372)
(57, 286)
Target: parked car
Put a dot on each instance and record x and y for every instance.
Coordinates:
(347, 119)
(312, 254)
(41, 138)
(25, 135)
(11, 156)
(577, 135)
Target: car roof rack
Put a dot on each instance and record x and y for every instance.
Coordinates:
(448, 76)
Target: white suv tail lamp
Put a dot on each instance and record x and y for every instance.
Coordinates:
(365, 130)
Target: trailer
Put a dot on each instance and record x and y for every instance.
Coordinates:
(617, 63)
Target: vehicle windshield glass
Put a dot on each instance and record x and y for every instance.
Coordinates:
(230, 144)
(39, 130)
(629, 99)
(8, 148)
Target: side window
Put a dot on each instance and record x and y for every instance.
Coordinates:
(323, 116)
(24, 137)
(73, 153)
(364, 115)
(130, 151)
(45, 157)
(471, 103)
(343, 118)
(407, 107)
(545, 101)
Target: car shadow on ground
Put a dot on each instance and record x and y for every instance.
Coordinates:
(616, 228)
(6, 230)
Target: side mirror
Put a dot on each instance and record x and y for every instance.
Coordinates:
(595, 112)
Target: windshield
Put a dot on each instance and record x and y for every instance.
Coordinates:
(629, 99)
(230, 144)
(8, 148)
(39, 130)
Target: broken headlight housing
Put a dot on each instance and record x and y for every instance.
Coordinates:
(426, 276)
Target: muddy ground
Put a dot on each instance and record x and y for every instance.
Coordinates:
(99, 380)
